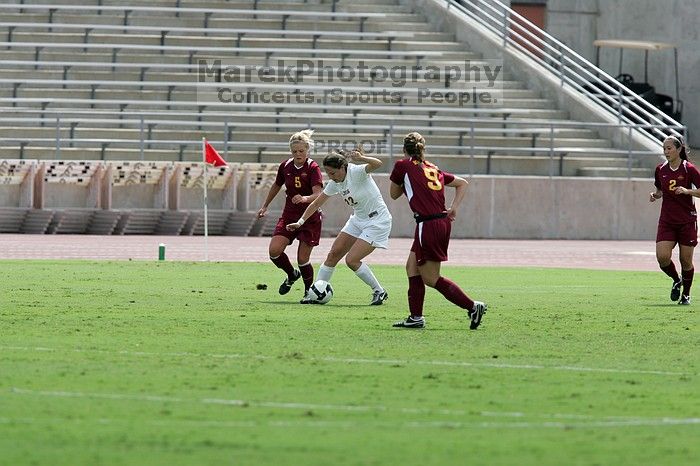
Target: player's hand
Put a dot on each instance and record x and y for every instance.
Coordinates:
(451, 214)
(293, 226)
(299, 199)
(262, 212)
(681, 190)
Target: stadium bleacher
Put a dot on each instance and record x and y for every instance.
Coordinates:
(100, 86)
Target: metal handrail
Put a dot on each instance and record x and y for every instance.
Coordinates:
(512, 29)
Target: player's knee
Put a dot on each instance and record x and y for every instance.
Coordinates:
(663, 259)
(353, 263)
(430, 281)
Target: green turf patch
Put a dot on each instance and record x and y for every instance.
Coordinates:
(192, 363)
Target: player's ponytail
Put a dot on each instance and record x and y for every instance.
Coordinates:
(414, 146)
(303, 136)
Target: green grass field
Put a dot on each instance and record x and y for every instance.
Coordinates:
(109, 363)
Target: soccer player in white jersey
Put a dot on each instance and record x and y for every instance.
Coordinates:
(367, 228)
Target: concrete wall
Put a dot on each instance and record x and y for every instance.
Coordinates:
(578, 22)
(507, 207)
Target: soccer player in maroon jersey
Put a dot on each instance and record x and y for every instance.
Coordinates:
(677, 181)
(301, 176)
(424, 185)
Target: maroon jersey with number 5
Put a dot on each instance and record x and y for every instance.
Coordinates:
(298, 180)
(424, 185)
(677, 208)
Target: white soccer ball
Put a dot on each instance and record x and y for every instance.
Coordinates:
(321, 292)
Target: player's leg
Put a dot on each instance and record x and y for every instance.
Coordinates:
(359, 250)
(416, 295)
(374, 234)
(341, 245)
(436, 238)
(309, 236)
(687, 240)
(278, 244)
(664, 251)
(305, 267)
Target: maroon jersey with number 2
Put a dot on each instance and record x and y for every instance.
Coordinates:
(678, 218)
(424, 186)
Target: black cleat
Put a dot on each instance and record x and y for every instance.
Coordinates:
(378, 297)
(287, 283)
(676, 290)
(411, 322)
(476, 314)
(684, 301)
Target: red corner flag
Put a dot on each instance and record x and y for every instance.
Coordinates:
(211, 156)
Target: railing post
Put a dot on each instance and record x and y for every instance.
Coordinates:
(629, 152)
(551, 150)
(58, 137)
(142, 142)
(391, 141)
(561, 67)
(619, 106)
(471, 152)
(226, 138)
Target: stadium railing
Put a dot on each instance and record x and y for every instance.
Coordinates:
(514, 31)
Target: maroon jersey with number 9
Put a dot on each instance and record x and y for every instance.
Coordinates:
(424, 185)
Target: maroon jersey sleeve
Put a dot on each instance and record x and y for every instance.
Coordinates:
(447, 178)
(279, 180)
(315, 176)
(398, 172)
(694, 175)
(657, 180)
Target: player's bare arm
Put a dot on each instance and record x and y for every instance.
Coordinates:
(313, 207)
(357, 156)
(395, 190)
(690, 192)
(460, 185)
(299, 199)
(274, 190)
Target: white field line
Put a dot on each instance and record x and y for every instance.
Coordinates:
(576, 420)
(331, 359)
(356, 424)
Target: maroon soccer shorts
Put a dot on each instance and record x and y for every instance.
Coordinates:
(309, 233)
(431, 240)
(685, 234)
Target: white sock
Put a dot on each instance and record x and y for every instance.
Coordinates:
(366, 275)
(325, 273)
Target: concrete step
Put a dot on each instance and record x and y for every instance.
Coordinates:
(615, 172)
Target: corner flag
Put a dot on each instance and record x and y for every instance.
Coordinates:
(211, 156)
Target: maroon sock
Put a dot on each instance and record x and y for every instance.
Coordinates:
(671, 271)
(307, 274)
(687, 281)
(416, 295)
(282, 262)
(453, 293)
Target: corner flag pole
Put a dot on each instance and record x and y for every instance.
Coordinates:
(206, 215)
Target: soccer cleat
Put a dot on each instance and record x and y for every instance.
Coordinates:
(476, 314)
(676, 290)
(287, 283)
(684, 301)
(411, 322)
(307, 299)
(378, 297)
